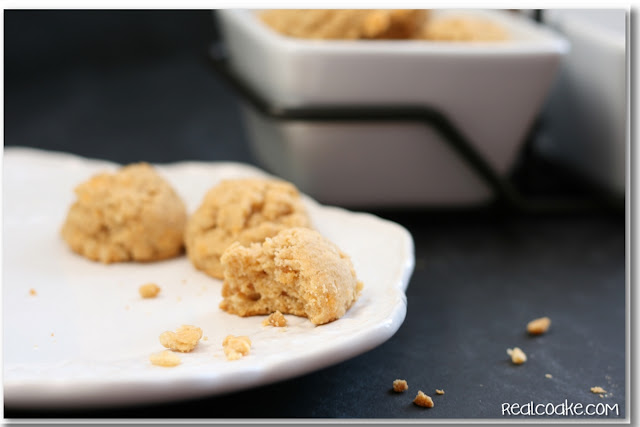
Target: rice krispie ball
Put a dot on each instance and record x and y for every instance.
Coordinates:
(130, 215)
(298, 272)
(244, 211)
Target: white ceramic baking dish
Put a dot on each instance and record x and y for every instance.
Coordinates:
(491, 91)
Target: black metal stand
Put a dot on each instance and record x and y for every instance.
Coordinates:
(506, 194)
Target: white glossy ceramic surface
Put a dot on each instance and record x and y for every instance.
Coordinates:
(85, 338)
(491, 91)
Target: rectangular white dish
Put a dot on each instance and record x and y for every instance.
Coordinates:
(491, 91)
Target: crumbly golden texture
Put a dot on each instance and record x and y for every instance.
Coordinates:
(236, 347)
(438, 391)
(462, 28)
(32, 292)
(400, 385)
(298, 272)
(149, 290)
(184, 339)
(345, 23)
(275, 319)
(423, 400)
(244, 211)
(517, 355)
(538, 326)
(165, 358)
(598, 390)
(130, 215)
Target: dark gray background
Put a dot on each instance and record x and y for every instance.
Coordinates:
(135, 85)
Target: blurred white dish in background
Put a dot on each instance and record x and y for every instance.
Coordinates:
(586, 119)
(85, 337)
(491, 90)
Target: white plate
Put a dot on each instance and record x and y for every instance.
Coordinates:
(86, 337)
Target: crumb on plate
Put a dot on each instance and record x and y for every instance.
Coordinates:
(400, 385)
(276, 319)
(598, 390)
(32, 292)
(423, 400)
(236, 347)
(149, 290)
(165, 358)
(184, 339)
(548, 375)
(439, 391)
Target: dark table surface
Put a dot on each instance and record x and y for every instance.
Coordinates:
(480, 276)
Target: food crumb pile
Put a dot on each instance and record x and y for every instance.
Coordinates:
(421, 399)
